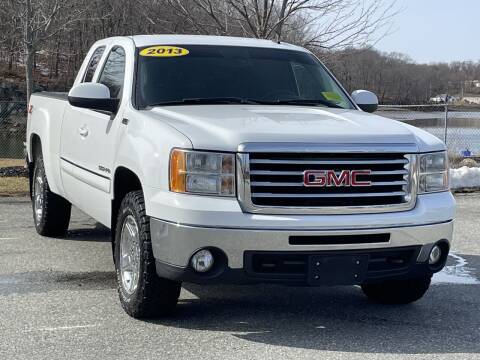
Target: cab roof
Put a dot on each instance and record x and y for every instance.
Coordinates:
(152, 40)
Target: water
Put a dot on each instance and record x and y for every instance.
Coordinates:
(459, 138)
(463, 126)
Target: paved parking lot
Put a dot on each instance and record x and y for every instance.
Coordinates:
(58, 301)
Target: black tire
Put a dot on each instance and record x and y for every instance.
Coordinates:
(153, 296)
(397, 292)
(52, 216)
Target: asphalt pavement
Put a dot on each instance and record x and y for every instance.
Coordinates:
(58, 300)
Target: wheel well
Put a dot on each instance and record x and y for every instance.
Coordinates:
(124, 181)
(35, 146)
(35, 149)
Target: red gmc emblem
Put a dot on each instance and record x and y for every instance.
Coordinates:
(326, 178)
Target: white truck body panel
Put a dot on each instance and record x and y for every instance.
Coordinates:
(47, 124)
(223, 127)
(152, 40)
(227, 213)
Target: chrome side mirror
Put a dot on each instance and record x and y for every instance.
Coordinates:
(366, 100)
(93, 96)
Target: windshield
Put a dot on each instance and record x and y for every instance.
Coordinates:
(201, 74)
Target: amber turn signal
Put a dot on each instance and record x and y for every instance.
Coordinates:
(177, 170)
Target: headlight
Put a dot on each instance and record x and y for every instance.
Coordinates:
(201, 172)
(433, 175)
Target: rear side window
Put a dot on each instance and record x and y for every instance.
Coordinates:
(92, 65)
(114, 72)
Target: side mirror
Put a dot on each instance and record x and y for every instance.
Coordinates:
(366, 100)
(92, 96)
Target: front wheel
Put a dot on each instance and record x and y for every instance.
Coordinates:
(397, 292)
(142, 293)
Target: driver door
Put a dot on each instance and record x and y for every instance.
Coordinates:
(88, 155)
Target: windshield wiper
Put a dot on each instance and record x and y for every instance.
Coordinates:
(206, 101)
(239, 100)
(306, 102)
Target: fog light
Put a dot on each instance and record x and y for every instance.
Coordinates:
(202, 261)
(435, 255)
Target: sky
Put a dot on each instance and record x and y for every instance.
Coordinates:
(436, 31)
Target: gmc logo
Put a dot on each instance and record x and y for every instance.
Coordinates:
(324, 178)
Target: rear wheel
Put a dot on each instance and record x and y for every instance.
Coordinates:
(397, 292)
(51, 212)
(142, 293)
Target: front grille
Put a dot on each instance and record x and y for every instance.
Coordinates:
(277, 180)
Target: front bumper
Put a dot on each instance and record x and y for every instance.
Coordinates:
(404, 251)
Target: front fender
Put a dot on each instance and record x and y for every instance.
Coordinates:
(145, 150)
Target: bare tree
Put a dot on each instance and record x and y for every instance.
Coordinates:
(53, 36)
(328, 24)
(40, 20)
(341, 24)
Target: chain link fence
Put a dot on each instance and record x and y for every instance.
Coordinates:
(13, 125)
(458, 126)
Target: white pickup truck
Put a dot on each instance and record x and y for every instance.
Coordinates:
(232, 160)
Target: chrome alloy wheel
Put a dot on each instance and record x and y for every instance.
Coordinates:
(130, 255)
(38, 197)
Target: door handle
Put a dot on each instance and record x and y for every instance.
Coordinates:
(83, 131)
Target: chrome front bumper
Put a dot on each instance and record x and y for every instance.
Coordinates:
(174, 243)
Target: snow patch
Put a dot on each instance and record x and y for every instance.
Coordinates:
(465, 177)
(456, 274)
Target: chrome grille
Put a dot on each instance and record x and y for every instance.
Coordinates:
(273, 182)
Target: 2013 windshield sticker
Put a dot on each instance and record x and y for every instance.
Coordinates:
(164, 51)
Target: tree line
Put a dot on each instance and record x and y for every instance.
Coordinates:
(396, 79)
(45, 41)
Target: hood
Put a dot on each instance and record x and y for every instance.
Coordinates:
(225, 127)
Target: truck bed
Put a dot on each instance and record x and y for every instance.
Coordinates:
(53, 95)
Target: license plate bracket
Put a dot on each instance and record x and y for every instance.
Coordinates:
(337, 270)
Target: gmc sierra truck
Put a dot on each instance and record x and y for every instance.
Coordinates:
(232, 160)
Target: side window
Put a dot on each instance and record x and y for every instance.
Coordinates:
(92, 65)
(113, 72)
